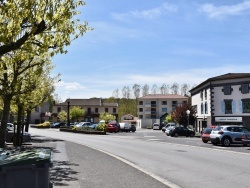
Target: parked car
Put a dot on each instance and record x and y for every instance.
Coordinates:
(93, 126)
(245, 139)
(156, 126)
(83, 124)
(228, 134)
(57, 124)
(181, 131)
(10, 135)
(112, 127)
(132, 128)
(205, 137)
(124, 126)
(166, 126)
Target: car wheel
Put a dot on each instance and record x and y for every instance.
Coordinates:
(205, 141)
(176, 135)
(226, 141)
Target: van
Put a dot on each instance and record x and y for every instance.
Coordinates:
(156, 126)
(124, 126)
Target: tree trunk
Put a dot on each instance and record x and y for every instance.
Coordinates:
(17, 141)
(4, 121)
(27, 120)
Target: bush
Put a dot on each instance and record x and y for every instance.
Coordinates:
(45, 124)
(101, 127)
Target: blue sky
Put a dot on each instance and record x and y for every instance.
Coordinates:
(154, 42)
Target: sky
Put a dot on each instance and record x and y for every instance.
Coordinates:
(154, 42)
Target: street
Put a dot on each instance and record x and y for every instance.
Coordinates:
(175, 162)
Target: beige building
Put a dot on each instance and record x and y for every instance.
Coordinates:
(154, 108)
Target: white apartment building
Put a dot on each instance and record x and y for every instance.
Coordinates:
(154, 108)
(224, 99)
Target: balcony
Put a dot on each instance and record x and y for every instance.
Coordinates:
(150, 105)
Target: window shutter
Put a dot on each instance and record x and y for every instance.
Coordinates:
(240, 106)
(233, 107)
(222, 106)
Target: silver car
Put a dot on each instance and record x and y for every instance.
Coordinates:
(228, 134)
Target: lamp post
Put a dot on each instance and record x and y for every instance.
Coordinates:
(68, 122)
(188, 113)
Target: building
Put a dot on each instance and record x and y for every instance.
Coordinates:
(154, 108)
(223, 99)
(92, 107)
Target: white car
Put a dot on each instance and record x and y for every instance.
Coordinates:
(83, 124)
(124, 126)
(156, 126)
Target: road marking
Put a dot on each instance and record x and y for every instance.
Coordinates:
(158, 178)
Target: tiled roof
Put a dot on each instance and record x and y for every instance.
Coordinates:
(163, 96)
(228, 76)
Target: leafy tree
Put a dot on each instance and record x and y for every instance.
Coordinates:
(136, 91)
(154, 89)
(31, 32)
(169, 118)
(62, 115)
(179, 115)
(145, 90)
(107, 117)
(76, 112)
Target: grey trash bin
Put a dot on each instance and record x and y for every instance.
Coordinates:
(25, 169)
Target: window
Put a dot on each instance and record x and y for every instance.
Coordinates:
(58, 109)
(114, 110)
(228, 106)
(206, 108)
(202, 110)
(153, 103)
(96, 110)
(164, 102)
(140, 109)
(153, 116)
(89, 110)
(205, 94)
(36, 109)
(140, 116)
(201, 94)
(246, 105)
(140, 102)
(106, 110)
(227, 90)
(164, 110)
(174, 103)
(244, 88)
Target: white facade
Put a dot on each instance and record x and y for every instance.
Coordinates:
(154, 108)
(228, 100)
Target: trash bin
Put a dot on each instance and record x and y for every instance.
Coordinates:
(25, 169)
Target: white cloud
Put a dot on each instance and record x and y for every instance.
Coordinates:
(69, 86)
(217, 12)
(146, 14)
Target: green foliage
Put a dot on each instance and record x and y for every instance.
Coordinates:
(76, 112)
(62, 115)
(101, 127)
(169, 118)
(44, 124)
(107, 117)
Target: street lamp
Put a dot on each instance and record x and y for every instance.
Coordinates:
(188, 113)
(68, 122)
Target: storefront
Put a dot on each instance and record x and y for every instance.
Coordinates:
(228, 120)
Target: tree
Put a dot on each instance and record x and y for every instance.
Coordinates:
(145, 90)
(163, 89)
(126, 92)
(154, 89)
(107, 117)
(76, 112)
(62, 115)
(175, 88)
(136, 91)
(31, 32)
(184, 89)
(169, 118)
(179, 115)
(115, 93)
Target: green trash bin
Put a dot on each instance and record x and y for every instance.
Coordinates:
(25, 169)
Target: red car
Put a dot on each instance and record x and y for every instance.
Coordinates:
(112, 127)
(205, 137)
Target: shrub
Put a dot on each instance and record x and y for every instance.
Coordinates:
(45, 124)
(101, 127)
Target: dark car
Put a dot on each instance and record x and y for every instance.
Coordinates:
(132, 128)
(205, 137)
(181, 131)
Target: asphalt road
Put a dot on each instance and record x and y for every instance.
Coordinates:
(173, 161)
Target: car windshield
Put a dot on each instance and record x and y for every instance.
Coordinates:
(207, 130)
